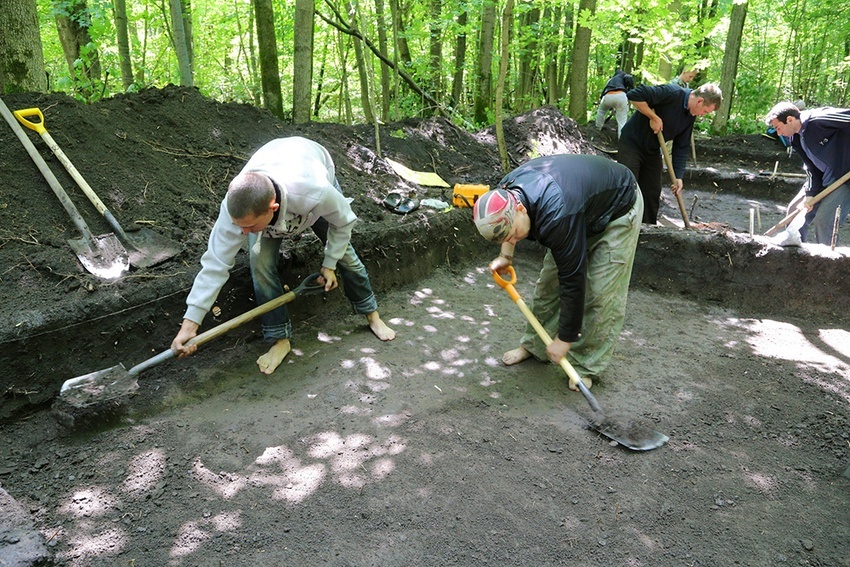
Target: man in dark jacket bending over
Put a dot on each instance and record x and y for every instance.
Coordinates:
(669, 109)
(587, 211)
(821, 137)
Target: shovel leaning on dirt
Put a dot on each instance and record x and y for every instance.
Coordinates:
(104, 256)
(146, 247)
(633, 435)
(117, 381)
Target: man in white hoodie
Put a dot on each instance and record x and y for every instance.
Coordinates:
(288, 186)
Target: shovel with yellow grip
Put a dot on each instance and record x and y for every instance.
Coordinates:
(633, 435)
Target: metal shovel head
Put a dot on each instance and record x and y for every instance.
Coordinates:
(104, 256)
(100, 386)
(148, 248)
(631, 434)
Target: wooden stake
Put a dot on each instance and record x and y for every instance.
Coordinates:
(835, 224)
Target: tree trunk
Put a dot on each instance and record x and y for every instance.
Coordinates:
(665, 63)
(401, 34)
(507, 17)
(249, 53)
(484, 93)
(186, 7)
(553, 17)
(385, 69)
(123, 39)
(730, 65)
(578, 67)
(565, 51)
(362, 70)
(345, 113)
(302, 75)
(267, 46)
(320, 83)
(435, 49)
(460, 60)
(21, 55)
(181, 45)
(528, 67)
(72, 22)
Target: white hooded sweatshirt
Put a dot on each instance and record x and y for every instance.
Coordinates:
(305, 173)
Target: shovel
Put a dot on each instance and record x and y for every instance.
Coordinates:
(817, 198)
(104, 256)
(117, 381)
(146, 247)
(669, 161)
(633, 436)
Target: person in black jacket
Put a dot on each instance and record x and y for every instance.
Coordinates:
(669, 109)
(614, 98)
(822, 138)
(586, 210)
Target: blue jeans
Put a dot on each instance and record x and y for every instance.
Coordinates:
(267, 285)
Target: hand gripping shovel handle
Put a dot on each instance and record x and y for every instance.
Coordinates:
(575, 379)
(309, 286)
(817, 198)
(669, 161)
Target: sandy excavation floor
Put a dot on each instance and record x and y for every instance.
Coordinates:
(426, 450)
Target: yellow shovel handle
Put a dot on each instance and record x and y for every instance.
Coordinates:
(24, 117)
(508, 285)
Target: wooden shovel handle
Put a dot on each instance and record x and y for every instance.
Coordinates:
(25, 117)
(309, 286)
(669, 161)
(575, 379)
(816, 199)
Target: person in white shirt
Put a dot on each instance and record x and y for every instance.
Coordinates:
(287, 186)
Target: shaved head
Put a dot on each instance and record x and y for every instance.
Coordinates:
(249, 194)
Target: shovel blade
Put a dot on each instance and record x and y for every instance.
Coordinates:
(148, 248)
(104, 256)
(631, 435)
(99, 386)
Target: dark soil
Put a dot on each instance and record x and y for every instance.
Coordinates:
(424, 450)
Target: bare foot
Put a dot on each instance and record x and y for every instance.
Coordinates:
(379, 327)
(269, 362)
(515, 356)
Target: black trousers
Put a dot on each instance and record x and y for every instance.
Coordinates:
(647, 170)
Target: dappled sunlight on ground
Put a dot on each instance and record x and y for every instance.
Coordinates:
(144, 471)
(824, 352)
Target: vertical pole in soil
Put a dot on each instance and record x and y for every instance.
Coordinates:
(835, 224)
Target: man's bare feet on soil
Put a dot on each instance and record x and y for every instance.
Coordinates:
(381, 330)
(269, 362)
(515, 356)
(587, 382)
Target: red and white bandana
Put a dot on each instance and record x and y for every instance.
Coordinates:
(494, 214)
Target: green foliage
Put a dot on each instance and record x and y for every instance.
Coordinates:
(791, 49)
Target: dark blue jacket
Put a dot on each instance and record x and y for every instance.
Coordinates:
(824, 144)
(670, 103)
(570, 198)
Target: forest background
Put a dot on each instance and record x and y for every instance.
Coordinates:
(383, 60)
